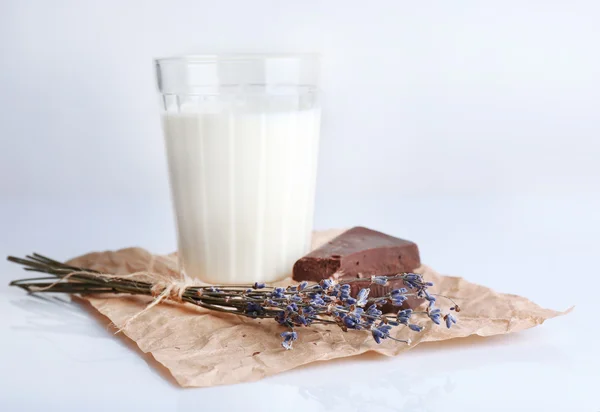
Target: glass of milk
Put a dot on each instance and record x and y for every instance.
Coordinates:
(242, 135)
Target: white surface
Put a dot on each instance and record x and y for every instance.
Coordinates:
(57, 356)
(470, 127)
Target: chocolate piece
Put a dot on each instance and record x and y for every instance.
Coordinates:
(362, 253)
(358, 252)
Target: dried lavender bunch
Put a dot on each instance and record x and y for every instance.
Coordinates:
(326, 302)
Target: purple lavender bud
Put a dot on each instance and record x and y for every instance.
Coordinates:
(377, 335)
(393, 323)
(281, 317)
(428, 296)
(297, 298)
(248, 290)
(449, 320)
(410, 284)
(398, 291)
(345, 286)
(258, 285)
(412, 277)
(289, 335)
(414, 327)
(317, 300)
(254, 309)
(379, 280)
(350, 301)
(362, 297)
(398, 300)
(373, 310)
(288, 338)
(278, 293)
(308, 310)
(302, 285)
(428, 283)
(405, 312)
(300, 320)
(326, 283)
(349, 322)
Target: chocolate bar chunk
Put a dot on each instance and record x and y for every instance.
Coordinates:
(358, 252)
(362, 253)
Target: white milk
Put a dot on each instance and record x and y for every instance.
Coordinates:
(243, 187)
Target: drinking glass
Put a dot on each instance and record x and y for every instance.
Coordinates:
(242, 135)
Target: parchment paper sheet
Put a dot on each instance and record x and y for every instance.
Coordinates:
(201, 348)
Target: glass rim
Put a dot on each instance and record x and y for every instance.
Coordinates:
(208, 58)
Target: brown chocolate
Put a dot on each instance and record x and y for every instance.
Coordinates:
(358, 252)
(362, 253)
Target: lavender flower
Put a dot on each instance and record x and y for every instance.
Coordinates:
(404, 316)
(398, 300)
(380, 332)
(428, 296)
(254, 310)
(317, 300)
(308, 310)
(413, 277)
(449, 320)
(374, 311)
(416, 328)
(350, 322)
(326, 284)
(300, 320)
(278, 293)
(282, 318)
(379, 280)
(328, 302)
(412, 280)
(288, 339)
(361, 298)
(435, 315)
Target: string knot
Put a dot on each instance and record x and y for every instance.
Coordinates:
(169, 290)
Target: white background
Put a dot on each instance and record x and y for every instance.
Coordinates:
(470, 127)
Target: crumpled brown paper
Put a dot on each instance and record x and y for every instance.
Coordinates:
(202, 348)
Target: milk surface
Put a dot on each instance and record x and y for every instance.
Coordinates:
(243, 188)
